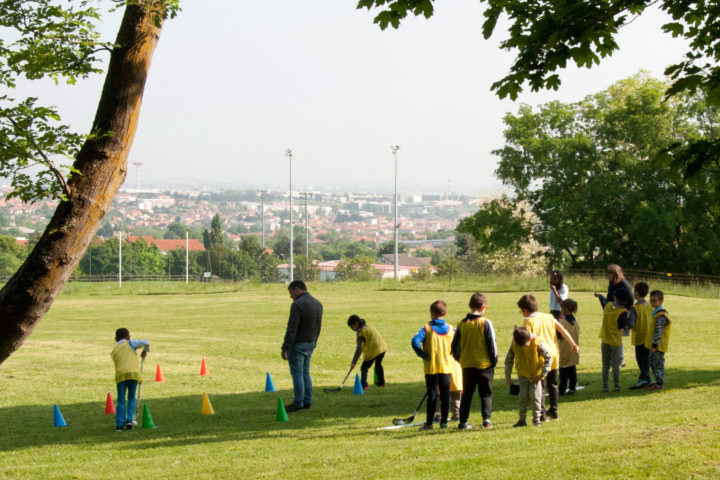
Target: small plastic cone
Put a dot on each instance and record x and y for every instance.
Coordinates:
(358, 389)
(281, 415)
(269, 387)
(204, 368)
(375, 379)
(158, 374)
(109, 405)
(147, 421)
(58, 419)
(206, 406)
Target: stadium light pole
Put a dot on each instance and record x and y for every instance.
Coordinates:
(395, 149)
(288, 153)
(119, 259)
(262, 206)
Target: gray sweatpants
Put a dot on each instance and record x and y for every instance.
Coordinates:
(530, 393)
(611, 357)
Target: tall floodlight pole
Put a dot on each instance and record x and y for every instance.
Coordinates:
(137, 172)
(262, 206)
(119, 259)
(307, 233)
(187, 256)
(395, 149)
(288, 153)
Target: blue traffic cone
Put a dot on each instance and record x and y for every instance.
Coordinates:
(269, 387)
(58, 419)
(358, 389)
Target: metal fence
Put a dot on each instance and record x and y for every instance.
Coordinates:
(681, 278)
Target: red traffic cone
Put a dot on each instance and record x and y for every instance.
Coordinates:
(204, 368)
(158, 374)
(109, 405)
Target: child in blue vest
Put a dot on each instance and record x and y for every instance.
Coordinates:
(432, 344)
(127, 376)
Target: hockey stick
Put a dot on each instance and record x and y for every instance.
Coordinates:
(404, 421)
(337, 389)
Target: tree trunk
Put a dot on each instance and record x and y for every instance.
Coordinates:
(102, 163)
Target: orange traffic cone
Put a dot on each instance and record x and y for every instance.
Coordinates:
(204, 368)
(109, 405)
(158, 374)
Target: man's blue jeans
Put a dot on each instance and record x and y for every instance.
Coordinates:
(123, 415)
(298, 356)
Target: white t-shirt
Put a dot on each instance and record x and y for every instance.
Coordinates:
(563, 292)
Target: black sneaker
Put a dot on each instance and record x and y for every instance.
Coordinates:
(464, 426)
(307, 406)
(292, 408)
(118, 429)
(520, 423)
(129, 426)
(426, 426)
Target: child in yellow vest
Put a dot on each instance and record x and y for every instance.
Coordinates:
(640, 321)
(568, 358)
(456, 392)
(660, 339)
(547, 329)
(372, 347)
(615, 316)
(474, 347)
(127, 376)
(432, 344)
(532, 360)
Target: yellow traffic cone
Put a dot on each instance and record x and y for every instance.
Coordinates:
(206, 407)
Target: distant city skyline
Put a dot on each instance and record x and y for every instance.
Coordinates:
(231, 87)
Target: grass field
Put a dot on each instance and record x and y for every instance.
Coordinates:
(239, 330)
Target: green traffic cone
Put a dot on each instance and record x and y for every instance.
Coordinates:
(281, 415)
(375, 380)
(147, 421)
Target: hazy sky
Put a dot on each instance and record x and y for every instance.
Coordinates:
(234, 83)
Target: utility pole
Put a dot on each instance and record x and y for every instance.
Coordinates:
(288, 153)
(262, 206)
(395, 149)
(307, 232)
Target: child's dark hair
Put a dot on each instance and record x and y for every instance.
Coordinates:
(521, 336)
(528, 303)
(657, 294)
(438, 309)
(622, 296)
(569, 304)
(353, 319)
(642, 289)
(559, 276)
(122, 333)
(477, 301)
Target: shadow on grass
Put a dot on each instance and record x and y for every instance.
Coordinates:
(250, 416)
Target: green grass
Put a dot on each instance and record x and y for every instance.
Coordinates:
(239, 329)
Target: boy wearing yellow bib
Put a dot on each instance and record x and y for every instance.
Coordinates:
(372, 347)
(660, 339)
(532, 360)
(127, 376)
(432, 344)
(640, 321)
(474, 347)
(546, 328)
(615, 317)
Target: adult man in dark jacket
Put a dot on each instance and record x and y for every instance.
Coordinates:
(301, 335)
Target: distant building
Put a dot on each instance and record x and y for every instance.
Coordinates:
(165, 245)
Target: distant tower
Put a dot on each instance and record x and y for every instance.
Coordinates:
(137, 167)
